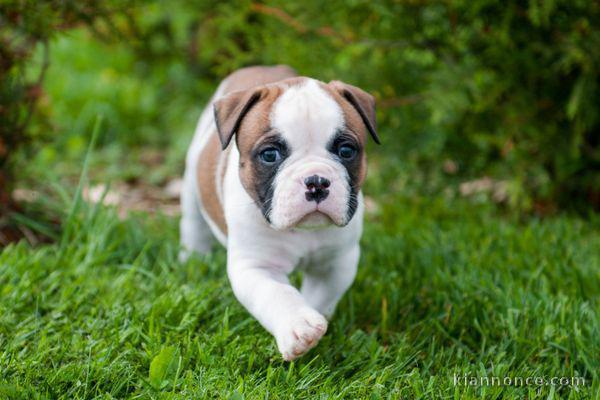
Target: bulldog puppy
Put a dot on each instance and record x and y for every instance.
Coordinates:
(284, 194)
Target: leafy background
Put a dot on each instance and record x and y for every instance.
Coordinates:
(507, 90)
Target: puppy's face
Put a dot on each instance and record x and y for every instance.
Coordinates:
(301, 145)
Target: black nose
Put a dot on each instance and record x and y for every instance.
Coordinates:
(317, 188)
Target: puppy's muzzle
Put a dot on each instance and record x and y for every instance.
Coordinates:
(317, 188)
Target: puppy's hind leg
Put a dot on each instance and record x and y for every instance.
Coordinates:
(195, 234)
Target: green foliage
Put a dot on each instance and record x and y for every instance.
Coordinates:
(161, 365)
(26, 25)
(502, 89)
(507, 89)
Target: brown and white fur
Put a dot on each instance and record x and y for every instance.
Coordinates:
(267, 214)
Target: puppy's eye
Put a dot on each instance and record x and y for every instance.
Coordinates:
(270, 155)
(346, 152)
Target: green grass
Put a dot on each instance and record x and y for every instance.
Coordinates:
(442, 290)
(447, 286)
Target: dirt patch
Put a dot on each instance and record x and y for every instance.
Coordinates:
(128, 197)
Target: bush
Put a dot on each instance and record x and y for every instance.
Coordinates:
(505, 89)
(26, 25)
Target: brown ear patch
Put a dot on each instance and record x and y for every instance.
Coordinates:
(244, 89)
(231, 109)
(355, 126)
(251, 129)
(362, 102)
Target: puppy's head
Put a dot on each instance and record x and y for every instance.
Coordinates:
(302, 148)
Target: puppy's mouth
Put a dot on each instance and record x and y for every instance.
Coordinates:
(314, 220)
(308, 215)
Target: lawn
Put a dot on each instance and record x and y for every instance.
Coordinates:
(448, 286)
(443, 290)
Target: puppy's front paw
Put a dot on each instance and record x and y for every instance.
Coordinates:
(300, 333)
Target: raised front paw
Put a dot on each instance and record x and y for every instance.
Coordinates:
(300, 333)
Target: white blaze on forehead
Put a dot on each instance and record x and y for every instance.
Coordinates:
(306, 116)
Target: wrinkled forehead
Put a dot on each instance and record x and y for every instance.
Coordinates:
(305, 114)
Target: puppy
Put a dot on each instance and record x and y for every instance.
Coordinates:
(274, 173)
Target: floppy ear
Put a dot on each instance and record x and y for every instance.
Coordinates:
(229, 111)
(363, 102)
